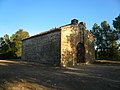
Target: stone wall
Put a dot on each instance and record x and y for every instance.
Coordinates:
(89, 47)
(44, 48)
(70, 39)
(71, 35)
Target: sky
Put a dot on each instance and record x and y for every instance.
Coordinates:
(35, 16)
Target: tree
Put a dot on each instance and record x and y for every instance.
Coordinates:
(5, 47)
(116, 23)
(11, 47)
(5, 44)
(105, 41)
(17, 41)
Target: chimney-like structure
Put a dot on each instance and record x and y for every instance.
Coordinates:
(83, 23)
(74, 21)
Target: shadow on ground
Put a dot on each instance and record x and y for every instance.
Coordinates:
(20, 75)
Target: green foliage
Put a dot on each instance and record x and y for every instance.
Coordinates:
(5, 44)
(116, 23)
(105, 40)
(17, 40)
(11, 47)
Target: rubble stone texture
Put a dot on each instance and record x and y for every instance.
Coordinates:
(66, 46)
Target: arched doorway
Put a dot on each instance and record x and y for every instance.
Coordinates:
(80, 53)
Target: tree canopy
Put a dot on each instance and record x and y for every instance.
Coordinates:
(11, 47)
(106, 39)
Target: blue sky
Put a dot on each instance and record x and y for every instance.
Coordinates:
(36, 16)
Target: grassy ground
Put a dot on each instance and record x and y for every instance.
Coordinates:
(20, 75)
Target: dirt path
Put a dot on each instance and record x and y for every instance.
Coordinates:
(19, 75)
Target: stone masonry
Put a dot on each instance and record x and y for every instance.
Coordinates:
(66, 46)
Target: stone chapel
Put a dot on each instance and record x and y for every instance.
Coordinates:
(67, 45)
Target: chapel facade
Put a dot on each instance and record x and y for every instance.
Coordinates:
(67, 45)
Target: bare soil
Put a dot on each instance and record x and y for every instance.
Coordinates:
(21, 75)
